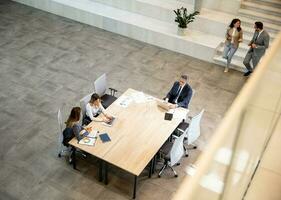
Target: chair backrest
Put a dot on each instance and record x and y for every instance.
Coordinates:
(100, 85)
(177, 150)
(60, 122)
(83, 103)
(193, 93)
(60, 135)
(193, 131)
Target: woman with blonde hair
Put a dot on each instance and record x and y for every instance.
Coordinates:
(234, 35)
(94, 108)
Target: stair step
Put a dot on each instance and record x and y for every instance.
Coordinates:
(260, 16)
(244, 46)
(241, 51)
(249, 22)
(158, 9)
(261, 8)
(272, 3)
(236, 64)
(249, 32)
(239, 54)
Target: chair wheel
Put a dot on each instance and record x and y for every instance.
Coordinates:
(59, 155)
(176, 175)
(178, 164)
(186, 155)
(159, 176)
(195, 147)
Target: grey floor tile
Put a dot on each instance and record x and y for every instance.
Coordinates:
(49, 62)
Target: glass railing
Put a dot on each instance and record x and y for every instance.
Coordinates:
(227, 166)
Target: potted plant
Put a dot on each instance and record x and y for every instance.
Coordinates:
(183, 19)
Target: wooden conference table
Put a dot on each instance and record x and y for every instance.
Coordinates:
(137, 134)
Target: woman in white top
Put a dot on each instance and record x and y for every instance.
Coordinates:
(94, 108)
(234, 36)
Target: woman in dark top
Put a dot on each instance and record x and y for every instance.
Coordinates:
(73, 122)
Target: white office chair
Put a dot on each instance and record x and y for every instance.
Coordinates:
(184, 124)
(100, 88)
(61, 148)
(192, 132)
(173, 152)
(83, 102)
(193, 93)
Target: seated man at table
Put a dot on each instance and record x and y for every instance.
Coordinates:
(180, 94)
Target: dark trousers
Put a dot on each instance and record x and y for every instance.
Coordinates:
(250, 57)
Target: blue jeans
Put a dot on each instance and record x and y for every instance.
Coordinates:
(228, 52)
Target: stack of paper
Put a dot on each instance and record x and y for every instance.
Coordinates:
(124, 101)
(179, 113)
(138, 97)
(88, 141)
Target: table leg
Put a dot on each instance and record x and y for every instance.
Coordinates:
(135, 186)
(150, 167)
(74, 157)
(100, 170)
(105, 173)
(154, 164)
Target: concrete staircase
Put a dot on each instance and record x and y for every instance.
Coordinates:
(267, 11)
(152, 21)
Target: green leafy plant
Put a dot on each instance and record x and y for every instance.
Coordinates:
(182, 18)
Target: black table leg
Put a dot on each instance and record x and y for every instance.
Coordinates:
(73, 157)
(105, 173)
(100, 170)
(154, 164)
(135, 186)
(150, 167)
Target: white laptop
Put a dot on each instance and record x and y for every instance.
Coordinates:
(163, 104)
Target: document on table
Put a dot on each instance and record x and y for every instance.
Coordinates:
(179, 113)
(93, 134)
(124, 101)
(88, 141)
(140, 97)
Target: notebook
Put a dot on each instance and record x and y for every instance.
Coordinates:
(168, 116)
(88, 141)
(104, 137)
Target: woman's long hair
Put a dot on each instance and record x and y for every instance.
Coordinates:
(94, 97)
(231, 25)
(73, 117)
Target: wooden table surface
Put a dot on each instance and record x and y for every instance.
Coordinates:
(136, 135)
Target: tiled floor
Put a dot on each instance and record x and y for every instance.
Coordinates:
(47, 61)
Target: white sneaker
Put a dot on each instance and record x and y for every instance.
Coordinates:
(226, 69)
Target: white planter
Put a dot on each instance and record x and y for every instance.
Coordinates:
(182, 31)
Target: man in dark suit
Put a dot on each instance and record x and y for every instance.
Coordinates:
(258, 45)
(180, 94)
